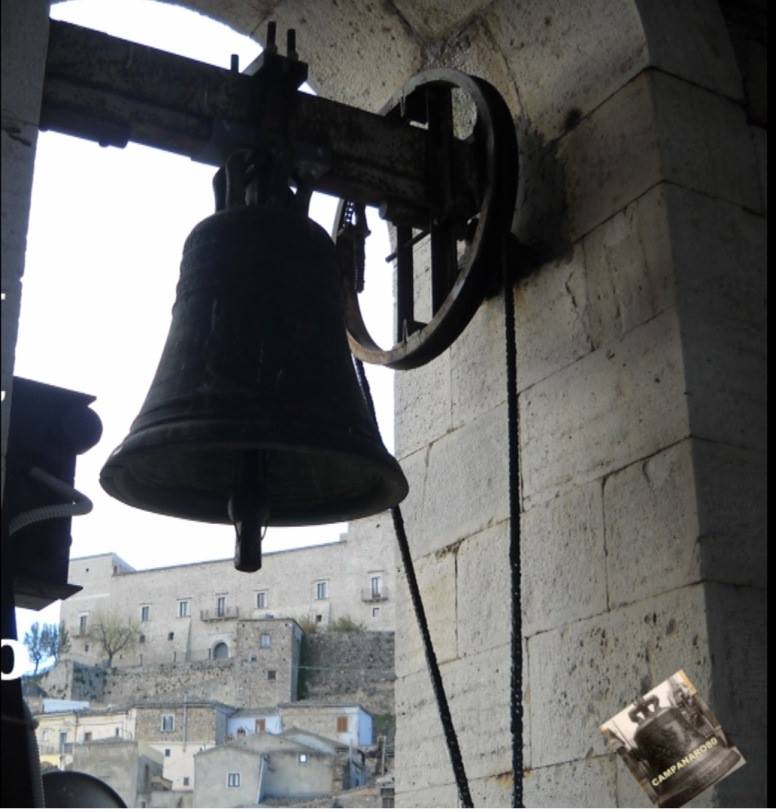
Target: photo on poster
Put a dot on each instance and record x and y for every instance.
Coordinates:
(672, 743)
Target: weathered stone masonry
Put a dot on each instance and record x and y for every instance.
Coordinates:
(641, 375)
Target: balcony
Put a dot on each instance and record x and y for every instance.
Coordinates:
(227, 613)
(370, 596)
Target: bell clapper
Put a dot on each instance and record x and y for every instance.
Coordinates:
(248, 510)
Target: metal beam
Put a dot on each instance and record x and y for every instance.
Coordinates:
(114, 91)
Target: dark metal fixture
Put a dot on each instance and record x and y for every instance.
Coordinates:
(255, 416)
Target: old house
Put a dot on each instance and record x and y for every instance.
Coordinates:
(294, 766)
(132, 768)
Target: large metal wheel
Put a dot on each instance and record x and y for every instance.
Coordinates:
(469, 219)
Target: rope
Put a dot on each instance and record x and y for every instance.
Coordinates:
(451, 738)
(516, 677)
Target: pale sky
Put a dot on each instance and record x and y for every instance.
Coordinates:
(106, 232)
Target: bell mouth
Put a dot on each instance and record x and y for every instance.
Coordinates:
(307, 484)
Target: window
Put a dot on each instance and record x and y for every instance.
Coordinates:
(272, 675)
(321, 590)
(186, 780)
(116, 733)
(141, 638)
(145, 614)
(233, 780)
(171, 635)
(241, 731)
(261, 725)
(303, 758)
(168, 722)
(86, 647)
(342, 724)
(220, 651)
(183, 609)
(318, 618)
(265, 640)
(167, 751)
(375, 611)
(221, 607)
(83, 622)
(62, 740)
(87, 736)
(377, 585)
(261, 600)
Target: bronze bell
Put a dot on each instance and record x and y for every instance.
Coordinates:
(255, 416)
(682, 755)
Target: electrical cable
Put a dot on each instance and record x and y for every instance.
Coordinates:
(448, 728)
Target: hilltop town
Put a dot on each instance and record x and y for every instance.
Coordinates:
(274, 688)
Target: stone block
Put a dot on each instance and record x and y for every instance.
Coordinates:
(629, 268)
(726, 383)
(612, 157)
(732, 513)
(359, 53)
(738, 697)
(492, 792)
(475, 51)
(656, 128)
(458, 485)
(584, 673)
(563, 559)
(591, 782)
(436, 575)
(558, 81)
(478, 364)
(431, 20)
(704, 141)
(720, 271)
(25, 43)
(18, 158)
(441, 796)
(651, 526)
(689, 39)
(423, 405)
(422, 760)
(614, 406)
(478, 690)
(551, 314)
(483, 599)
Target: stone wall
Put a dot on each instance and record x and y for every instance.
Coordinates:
(641, 368)
(287, 579)
(69, 679)
(349, 667)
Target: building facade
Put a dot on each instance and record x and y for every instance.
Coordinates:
(295, 766)
(192, 612)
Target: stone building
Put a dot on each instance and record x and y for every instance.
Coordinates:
(193, 612)
(131, 768)
(294, 766)
(641, 369)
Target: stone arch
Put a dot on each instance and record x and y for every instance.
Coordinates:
(221, 650)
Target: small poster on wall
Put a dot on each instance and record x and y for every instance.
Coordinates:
(672, 743)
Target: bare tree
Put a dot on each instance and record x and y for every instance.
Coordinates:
(113, 633)
(36, 643)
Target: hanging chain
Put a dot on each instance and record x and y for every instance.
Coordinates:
(448, 728)
(513, 433)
